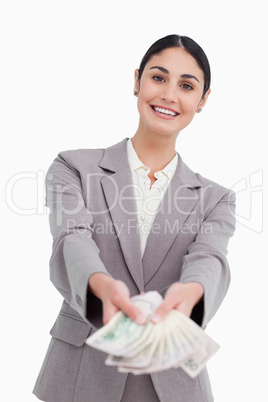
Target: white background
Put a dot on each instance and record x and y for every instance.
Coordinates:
(66, 76)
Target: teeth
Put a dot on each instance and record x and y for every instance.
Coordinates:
(165, 111)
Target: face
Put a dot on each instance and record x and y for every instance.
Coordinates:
(170, 92)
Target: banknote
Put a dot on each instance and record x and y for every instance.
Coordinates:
(121, 333)
(174, 342)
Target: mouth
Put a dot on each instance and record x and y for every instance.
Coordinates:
(163, 112)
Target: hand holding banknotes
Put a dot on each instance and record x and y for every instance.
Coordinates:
(179, 296)
(175, 341)
(114, 295)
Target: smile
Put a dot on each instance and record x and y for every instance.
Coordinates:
(164, 113)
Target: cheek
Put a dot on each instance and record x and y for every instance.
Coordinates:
(144, 98)
(148, 92)
(189, 105)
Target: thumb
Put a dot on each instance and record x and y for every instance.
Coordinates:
(133, 312)
(162, 311)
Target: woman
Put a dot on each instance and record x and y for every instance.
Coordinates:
(133, 218)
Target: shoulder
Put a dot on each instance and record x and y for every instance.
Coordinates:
(82, 156)
(200, 184)
(78, 160)
(85, 160)
(212, 187)
(215, 197)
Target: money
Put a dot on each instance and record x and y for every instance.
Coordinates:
(174, 342)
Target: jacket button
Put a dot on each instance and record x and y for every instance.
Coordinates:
(78, 300)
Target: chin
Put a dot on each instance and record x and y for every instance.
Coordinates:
(165, 132)
(159, 128)
(165, 129)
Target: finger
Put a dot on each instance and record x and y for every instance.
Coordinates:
(109, 310)
(161, 312)
(133, 312)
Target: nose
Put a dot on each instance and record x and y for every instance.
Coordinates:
(169, 93)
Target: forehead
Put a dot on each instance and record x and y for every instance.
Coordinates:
(177, 61)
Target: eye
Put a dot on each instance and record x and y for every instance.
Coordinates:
(158, 78)
(187, 87)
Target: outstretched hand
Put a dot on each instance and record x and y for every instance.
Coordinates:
(115, 296)
(179, 296)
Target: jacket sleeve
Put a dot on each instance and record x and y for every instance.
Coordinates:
(206, 260)
(75, 255)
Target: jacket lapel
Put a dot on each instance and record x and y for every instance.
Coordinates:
(177, 204)
(119, 195)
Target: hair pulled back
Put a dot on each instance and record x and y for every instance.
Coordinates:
(189, 45)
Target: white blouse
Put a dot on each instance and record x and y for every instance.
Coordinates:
(148, 199)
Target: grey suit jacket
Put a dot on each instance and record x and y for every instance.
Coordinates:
(94, 227)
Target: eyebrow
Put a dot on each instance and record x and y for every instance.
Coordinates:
(189, 76)
(164, 70)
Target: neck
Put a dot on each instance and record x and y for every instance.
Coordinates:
(154, 150)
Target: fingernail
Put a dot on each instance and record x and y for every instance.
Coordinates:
(140, 320)
(156, 318)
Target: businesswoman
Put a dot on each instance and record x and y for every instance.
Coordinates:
(133, 218)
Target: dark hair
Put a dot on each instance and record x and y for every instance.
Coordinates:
(186, 43)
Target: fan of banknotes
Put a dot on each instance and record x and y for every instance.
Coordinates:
(174, 342)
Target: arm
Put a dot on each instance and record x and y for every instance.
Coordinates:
(205, 275)
(76, 269)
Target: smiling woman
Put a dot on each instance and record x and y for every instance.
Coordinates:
(175, 41)
(142, 196)
(172, 84)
